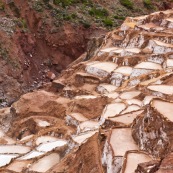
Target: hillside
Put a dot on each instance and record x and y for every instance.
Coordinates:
(41, 38)
(111, 113)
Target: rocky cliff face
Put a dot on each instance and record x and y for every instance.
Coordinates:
(111, 113)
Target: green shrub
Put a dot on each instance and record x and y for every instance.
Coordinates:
(98, 12)
(127, 3)
(86, 24)
(108, 22)
(1, 5)
(119, 17)
(24, 23)
(38, 6)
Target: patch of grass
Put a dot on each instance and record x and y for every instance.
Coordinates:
(73, 16)
(64, 3)
(4, 54)
(63, 15)
(15, 9)
(14, 63)
(127, 3)
(46, 1)
(148, 4)
(22, 23)
(67, 17)
(2, 100)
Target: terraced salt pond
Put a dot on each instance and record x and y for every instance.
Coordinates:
(134, 102)
(130, 94)
(78, 116)
(83, 136)
(101, 69)
(126, 119)
(88, 125)
(165, 89)
(122, 141)
(163, 107)
(18, 165)
(45, 147)
(31, 155)
(113, 109)
(112, 95)
(45, 139)
(45, 163)
(148, 99)
(6, 158)
(42, 123)
(14, 149)
(106, 88)
(131, 108)
(126, 70)
(148, 65)
(85, 97)
(133, 159)
(169, 63)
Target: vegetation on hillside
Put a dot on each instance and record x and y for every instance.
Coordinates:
(87, 12)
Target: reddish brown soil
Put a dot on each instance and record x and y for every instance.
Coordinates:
(40, 49)
(91, 109)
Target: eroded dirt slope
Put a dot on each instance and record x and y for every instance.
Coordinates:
(33, 49)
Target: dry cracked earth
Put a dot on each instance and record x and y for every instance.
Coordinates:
(112, 113)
